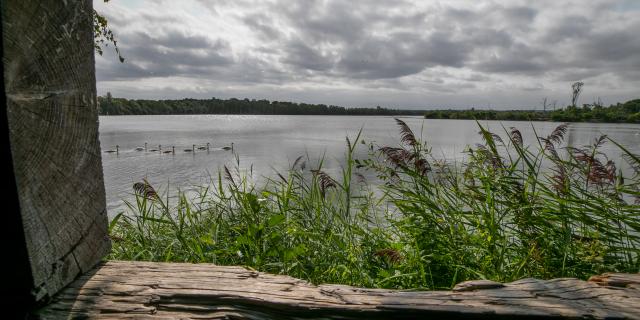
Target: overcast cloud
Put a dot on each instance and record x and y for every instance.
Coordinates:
(401, 54)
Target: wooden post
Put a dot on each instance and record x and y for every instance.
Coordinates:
(51, 109)
(18, 288)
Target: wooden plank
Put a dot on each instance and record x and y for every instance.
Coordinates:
(148, 290)
(49, 83)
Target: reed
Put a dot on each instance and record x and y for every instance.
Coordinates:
(513, 209)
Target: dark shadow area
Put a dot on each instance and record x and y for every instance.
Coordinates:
(16, 290)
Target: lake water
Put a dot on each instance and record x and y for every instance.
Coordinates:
(269, 143)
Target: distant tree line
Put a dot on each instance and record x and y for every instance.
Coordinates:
(621, 112)
(109, 105)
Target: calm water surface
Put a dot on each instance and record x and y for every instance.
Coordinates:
(269, 143)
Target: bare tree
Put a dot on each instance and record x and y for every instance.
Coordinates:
(577, 88)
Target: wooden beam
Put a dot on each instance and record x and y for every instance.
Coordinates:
(17, 289)
(147, 290)
(49, 82)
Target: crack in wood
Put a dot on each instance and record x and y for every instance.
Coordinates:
(37, 96)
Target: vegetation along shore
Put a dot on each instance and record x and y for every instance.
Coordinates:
(512, 209)
(121, 106)
(621, 112)
(628, 112)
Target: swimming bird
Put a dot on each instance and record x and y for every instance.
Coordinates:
(228, 147)
(112, 151)
(203, 147)
(193, 147)
(159, 149)
(141, 148)
(173, 150)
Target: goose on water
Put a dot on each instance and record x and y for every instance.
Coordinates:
(193, 147)
(159, 149)
(228, 147)
(173, 150)
(141, 148)
(204, 147)
(112, 151)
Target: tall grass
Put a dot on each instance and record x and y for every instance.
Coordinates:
(513, 209)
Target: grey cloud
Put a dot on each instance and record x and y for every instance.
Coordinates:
(613, 46)
(571, 75)
(441, 50)
(327, 21)
(489, 37)
(301, 55)
(611, 51)
(477, 77)
(346, 27)
(511, 64)
(263, 24)
(407, 20)
(519, 59)
(520, 14)
(571, 27)
(533, 87)
(166, 55)
(517, 17)
(458, 15)
(175, 39)
(378, 44)
(161, 19)
(401, 55)
(254, 71)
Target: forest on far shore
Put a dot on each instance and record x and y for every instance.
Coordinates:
(621, 112)
(120, 106)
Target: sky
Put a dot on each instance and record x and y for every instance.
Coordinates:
(422, 54)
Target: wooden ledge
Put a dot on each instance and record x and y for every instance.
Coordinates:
(150, 290)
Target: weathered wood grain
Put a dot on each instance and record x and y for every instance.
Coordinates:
(145, 290)
(617, 280)
(49, 83)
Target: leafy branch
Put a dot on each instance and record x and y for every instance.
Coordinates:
(103, 35)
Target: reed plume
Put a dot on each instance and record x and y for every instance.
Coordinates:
(557, 135)
(228, 176)
(422, 166)
(494, 136)
(324, 180)
(397, 156)
(296, 162)
(406, 134)
(550, 148)
(145, 189)
(393, 255)
(516, 136)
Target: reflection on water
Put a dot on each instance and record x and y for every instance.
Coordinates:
(269, 143)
